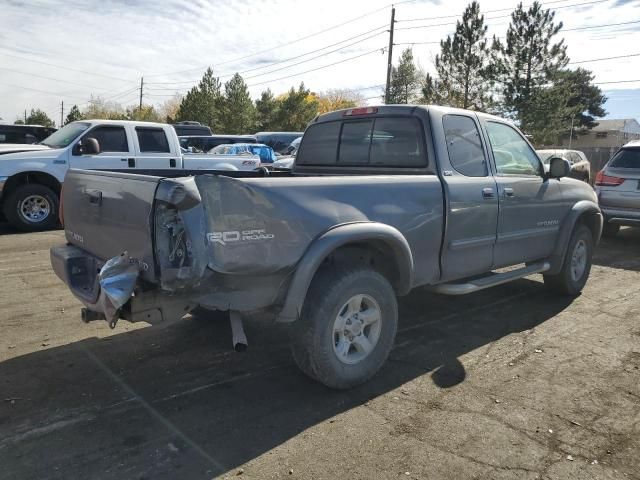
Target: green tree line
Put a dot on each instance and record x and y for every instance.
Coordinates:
(524, 78)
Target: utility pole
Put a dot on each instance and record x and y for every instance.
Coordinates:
(62, 114)
(390, 57)
(571, 133)
(25, 115)
(141, 87)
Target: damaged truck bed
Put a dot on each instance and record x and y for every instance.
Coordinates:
(381, 200)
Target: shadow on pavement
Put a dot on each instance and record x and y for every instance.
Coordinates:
(621, 251)
(174, 401)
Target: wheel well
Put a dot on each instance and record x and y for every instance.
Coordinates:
(31, 177)
(591, 221)
(374, 253)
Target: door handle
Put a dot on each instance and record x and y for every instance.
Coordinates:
(95, 197)
(131, 162)
(488, 193)
(172, 162)
(508, 192)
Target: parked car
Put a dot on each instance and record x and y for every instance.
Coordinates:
(284, 163)
(618, 189)
(204, 143)
(580, 166)
(24, 134)
(266, 153)
(381, 200)
(279, 141)
(191, 128)
(293, 147)
(30, 181)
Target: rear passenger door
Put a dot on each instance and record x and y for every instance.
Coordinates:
(472, 206)
(116, 149)
(153, 150)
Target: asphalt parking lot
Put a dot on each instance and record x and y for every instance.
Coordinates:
(510, 383)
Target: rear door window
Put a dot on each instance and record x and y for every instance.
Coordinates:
(626, 158)
(152, 140)
(110, 139)
(464, 146)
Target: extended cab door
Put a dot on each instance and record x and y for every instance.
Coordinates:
(472, 200)
(155, 149)
(531, 206)
(116, 149)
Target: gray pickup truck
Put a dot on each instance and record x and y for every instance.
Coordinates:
(381, 200)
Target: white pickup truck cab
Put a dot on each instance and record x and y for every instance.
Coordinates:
(30, 181)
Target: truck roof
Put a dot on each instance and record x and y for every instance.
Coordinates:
(123, 122)
(401, 109)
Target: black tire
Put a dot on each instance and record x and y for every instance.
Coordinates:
(568, 282)
(313, 336)
(14, 202)
(610, 230)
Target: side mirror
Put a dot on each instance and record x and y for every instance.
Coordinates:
(90, 146)
(559, 167)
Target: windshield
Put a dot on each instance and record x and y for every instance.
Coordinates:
(626, 158)
(65, 135)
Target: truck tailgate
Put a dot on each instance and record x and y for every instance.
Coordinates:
(106, 213)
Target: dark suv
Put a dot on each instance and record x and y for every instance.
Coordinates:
(279, 141)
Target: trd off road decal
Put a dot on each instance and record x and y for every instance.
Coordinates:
(233, 236)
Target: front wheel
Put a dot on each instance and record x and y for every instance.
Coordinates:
(577, 264)
(348, 325)
(32, 207)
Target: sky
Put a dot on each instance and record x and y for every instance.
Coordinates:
(66, 51)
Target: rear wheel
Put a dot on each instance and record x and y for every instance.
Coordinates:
(348, 326)
(32, 207)
(577, 264)
(610, 230)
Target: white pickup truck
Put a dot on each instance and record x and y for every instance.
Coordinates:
(30, 181)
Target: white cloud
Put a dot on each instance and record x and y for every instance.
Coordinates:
(107, 45)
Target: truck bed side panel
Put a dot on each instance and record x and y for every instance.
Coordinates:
(264, 226)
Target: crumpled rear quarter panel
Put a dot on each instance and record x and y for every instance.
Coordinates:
(264, 226)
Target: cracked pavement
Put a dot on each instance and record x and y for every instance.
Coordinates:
(509, 383)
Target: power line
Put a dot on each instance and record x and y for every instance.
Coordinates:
(229, 74)
(319, 68)
(600, 26)
(507, 9)
(63, 67)
(605, 58)
(297, 40)
(47, 78)
(617, 81)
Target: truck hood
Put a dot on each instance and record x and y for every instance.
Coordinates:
(42, 154)
(7, 148)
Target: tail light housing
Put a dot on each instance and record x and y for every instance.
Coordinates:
(603, 180)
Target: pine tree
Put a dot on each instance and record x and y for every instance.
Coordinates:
(297, 109)
(39, 117)
(238, 112)
(528, 60)
(405, 80)
(464, 64)
(203, 103)
(73, 115)
(266, 111)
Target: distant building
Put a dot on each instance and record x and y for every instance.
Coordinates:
(607, 134)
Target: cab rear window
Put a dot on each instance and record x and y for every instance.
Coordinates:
(626, 158)
(379, 142)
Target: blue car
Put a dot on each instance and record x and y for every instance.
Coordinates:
(265, 152)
